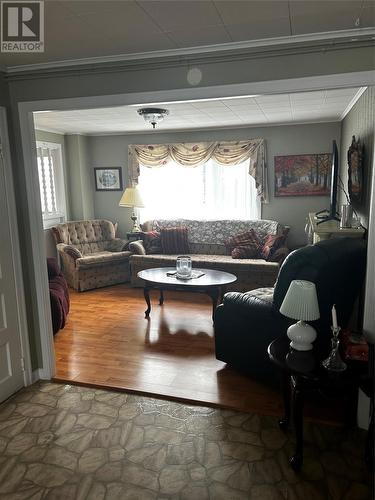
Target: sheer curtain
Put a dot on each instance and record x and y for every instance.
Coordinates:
(210, 191)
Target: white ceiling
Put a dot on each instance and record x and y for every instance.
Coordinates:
(323, 105)
(88, 28)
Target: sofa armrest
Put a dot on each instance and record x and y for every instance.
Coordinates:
(280, 255)
(117, 245)
(70, 250)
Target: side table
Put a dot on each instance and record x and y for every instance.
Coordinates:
(302, 372)
(134, 236)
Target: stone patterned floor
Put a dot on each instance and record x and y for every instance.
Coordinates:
(68, 442)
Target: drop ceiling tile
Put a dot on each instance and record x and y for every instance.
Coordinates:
(254, 20)
(236, 11)
(113, 17)
(169, 15)
(199, 35)
(331, 15)
(367, 17)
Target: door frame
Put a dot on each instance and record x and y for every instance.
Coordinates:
(15, 245)
(27, 131)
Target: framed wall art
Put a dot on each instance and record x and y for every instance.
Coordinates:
(355, 171)
(303, 175)
(108, 179)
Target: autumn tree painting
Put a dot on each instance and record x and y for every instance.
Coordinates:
(303, 175)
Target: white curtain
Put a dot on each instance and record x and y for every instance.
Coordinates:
(208, 191)
(225, 153)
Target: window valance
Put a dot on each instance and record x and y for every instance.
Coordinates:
(196, 154)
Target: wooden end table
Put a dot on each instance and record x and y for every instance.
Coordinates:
(211, 283)
(302, 372)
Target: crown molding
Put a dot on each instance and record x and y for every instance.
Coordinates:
(288, 44)
(361, 91)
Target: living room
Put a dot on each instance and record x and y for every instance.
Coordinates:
(174, 404)
(297, 125)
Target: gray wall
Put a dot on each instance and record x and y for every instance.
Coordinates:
(280, 140)
(360, 121)
(79, 180)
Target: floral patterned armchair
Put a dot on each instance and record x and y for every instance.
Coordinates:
(91, 255)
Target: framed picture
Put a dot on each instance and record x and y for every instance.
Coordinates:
(108, 179)
(303, 175)
(355, 171)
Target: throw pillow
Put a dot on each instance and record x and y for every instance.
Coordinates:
(246, 239)
(272, 243)
(245, 252)
(137, 247)
(152, 242)
(174, 240)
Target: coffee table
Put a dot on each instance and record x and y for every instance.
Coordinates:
(211, 283)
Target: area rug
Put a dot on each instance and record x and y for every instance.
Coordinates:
(69, 442)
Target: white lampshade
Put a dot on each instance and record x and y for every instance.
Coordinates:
(131, 198)
(301, 301)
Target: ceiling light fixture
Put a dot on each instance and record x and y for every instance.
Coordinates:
(153, 115)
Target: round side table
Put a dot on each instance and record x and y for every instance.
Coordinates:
(302, 372)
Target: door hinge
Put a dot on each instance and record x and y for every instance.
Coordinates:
(23, 364)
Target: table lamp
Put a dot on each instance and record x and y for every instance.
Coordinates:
(131, 198)
(301, 302)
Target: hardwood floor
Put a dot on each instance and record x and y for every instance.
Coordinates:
(108, 342)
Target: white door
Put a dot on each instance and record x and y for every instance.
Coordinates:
(11, 361)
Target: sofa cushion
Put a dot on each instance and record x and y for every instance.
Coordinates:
(272, 243)
(202, 260)
(102, 258)
(152, 242)
(245, 252)
(174, 240)
(217, 231)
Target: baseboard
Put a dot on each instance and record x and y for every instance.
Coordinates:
(39, 374)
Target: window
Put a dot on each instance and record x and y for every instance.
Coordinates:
(210, 191)
(51, 183)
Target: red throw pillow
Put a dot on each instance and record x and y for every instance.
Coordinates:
(152, 242)
(272, 243)
(246, 239)
(245, 252)
(174, 240)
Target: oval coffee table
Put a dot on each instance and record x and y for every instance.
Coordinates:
(211, 283)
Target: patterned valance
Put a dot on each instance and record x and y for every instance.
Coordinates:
(196, 154)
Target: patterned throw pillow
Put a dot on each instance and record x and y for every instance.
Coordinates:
(152, 242)
(246, 239)
(272, 243)
(137, 247)
(174, 240)
(245, 252)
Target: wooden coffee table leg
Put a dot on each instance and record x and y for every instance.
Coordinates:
(161, 298)
(146, 293)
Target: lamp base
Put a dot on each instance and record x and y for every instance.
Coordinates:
(135, 228)
(301, 335)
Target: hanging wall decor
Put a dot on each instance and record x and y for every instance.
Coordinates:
(303, 175)
(108, 179)
(355, 171)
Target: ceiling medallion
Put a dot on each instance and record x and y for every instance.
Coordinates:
(153, 115)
